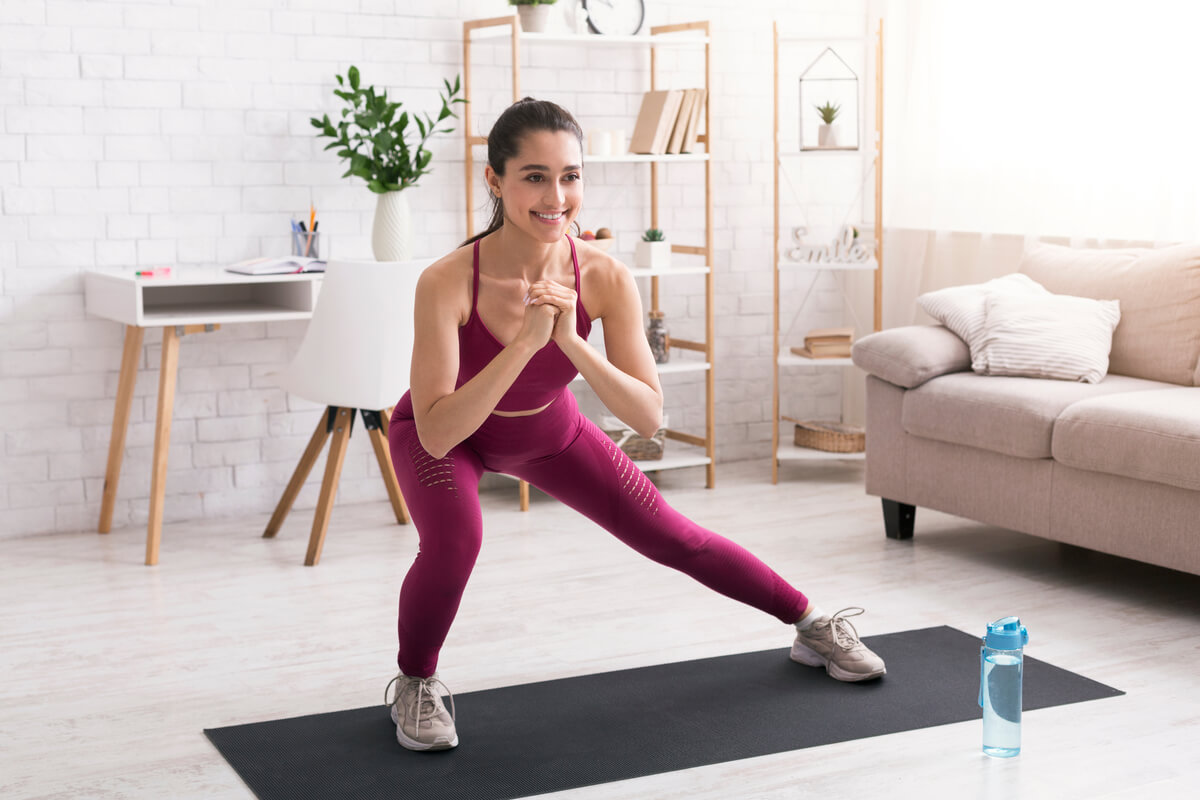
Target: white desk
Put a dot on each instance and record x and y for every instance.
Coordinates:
(193, 301)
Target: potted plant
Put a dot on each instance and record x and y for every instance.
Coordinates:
(373, 136)
(827, 134)
(653, 251)
(534, 14)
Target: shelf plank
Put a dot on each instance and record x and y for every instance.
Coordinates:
(824, 40)
(789, 452)
(676, 367)
(661, 40)
(643, 158)
(839, 151)
(670, 368)
(674, 460)
(793, 360)
(657, 272)
(626, 158)
(816, 266)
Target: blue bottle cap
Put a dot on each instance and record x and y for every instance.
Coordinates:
(1006, 634)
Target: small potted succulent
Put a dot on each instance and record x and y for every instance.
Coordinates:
(827, 134)
(534, 14)
(653, 251)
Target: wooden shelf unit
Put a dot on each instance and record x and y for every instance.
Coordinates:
(689, 34)
(785, 450)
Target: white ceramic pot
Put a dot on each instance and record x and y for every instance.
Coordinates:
(391, 232)
(652, 255)
(826, 136)
(534, 19)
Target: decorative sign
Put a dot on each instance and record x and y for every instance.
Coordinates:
(847, 247)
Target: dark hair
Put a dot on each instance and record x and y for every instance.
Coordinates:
(524, 116)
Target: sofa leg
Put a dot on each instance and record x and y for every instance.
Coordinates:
(898, 519)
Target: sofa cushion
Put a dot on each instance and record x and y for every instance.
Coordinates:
(1013, 416)
(1159, 290)
(1151, 436)
(910, 355)
(962, 308)
(1046, 336)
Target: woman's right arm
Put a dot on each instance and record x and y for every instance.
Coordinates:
(444, 415)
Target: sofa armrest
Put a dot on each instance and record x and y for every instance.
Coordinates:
(911, 355)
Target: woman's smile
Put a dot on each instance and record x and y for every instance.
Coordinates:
(549, 217)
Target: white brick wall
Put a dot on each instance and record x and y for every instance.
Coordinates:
(135, 133)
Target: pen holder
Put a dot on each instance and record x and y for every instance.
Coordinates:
(306, 244)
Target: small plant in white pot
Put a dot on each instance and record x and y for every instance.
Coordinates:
(653, 251)
(534, 14)
(827, 133)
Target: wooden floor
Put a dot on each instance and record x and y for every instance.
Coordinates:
(112, 669)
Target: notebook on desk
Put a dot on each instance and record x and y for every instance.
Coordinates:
(277, 266)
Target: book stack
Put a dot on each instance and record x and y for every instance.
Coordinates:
(668, 122)
(827, 343)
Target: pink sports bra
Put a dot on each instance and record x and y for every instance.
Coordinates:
(546, 374)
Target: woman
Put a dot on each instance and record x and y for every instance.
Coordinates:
(501, 325)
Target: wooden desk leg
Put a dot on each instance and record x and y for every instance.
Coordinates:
(162, 440)
(343, 421)
(130, 357)
(524, 496)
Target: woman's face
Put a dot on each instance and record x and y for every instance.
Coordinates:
(542, 186)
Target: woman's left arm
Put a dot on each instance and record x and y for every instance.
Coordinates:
(627, 382)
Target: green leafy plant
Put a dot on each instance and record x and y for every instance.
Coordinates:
(828, 112)
(532, 2)
(653, 235)
(374, 138)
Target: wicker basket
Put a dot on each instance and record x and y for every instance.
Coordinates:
(832, 437)
(636, 447)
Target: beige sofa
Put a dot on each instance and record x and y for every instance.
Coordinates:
(1112, 466)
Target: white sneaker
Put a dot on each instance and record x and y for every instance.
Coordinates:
(422, 722)
(833, 643)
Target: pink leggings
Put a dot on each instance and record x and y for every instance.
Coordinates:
(564, 454)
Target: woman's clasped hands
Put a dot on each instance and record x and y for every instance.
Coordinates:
(550, 312)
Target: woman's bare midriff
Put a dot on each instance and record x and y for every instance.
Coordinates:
(529, 413)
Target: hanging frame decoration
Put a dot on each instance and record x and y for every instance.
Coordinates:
(829, 104)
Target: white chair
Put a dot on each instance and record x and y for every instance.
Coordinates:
(354, 357)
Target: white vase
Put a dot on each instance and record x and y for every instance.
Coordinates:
(391, 232)
(826, 136)
(534, 19)
(652, 255)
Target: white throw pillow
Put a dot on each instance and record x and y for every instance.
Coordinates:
(961, 308)
(1046, 336)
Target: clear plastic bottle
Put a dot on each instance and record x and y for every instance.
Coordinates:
(660, 340)
(1001, 662)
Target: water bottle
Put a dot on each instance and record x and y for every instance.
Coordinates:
(1000, 665)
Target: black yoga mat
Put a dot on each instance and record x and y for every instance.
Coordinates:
(524, 740)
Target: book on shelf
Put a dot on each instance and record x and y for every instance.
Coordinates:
(823, 350)
(655, 121)
(692, 132)
(675, 145)
(282, 265)
(840, 335)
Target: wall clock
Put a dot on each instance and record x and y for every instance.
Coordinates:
(615, 17)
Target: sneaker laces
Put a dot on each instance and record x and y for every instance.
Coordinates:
(845, 635)
(426, 694)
